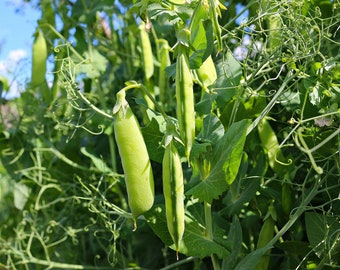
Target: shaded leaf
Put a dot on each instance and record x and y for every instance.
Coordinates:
(252, 259)
(194, 242)
(235, 237)
(153, 134)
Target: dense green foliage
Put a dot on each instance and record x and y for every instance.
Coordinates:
(263, 177)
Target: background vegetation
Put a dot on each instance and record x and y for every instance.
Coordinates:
(63, 203)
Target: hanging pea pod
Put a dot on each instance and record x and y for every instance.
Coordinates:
(274, 23)
(266, 234)
(271, 145)
(39, 57)
(39, 61)
(214, 12)
(135, 158)
(185, 99)
(147, 56)
(164, 60)
(173, 189)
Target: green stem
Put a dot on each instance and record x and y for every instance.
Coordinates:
(299, 211)
(209, 232)
(290, 76)
(179, 263)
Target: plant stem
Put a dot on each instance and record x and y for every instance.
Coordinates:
(209, 232)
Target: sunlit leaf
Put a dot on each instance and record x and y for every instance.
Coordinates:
(226, 159)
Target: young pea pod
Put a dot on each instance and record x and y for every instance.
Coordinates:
(173, 189)
(214, 11)
(185, 100)
(266, 234)
(135, 158)
(164, 60)
(274, 24)
(147, 57)
(39, 57)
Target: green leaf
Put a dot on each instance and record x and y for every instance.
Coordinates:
(317, 229)
(95, 64)
(21, 195)
(235, 237)
(97, 162)
(201, 38)
(212, 130)
(294, 247)
(229, 73)
(226, 159)
(252, 259)
(153, 134)
(194, 242)
(243, 189)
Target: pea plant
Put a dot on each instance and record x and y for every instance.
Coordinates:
(175, 135)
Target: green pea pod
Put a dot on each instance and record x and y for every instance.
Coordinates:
(39, 57)
(185, 100)
(286, 198)
(274, 23)
(147, 57)
(266, 234)
(214, 10)
(135, 158)
(271, 145)
(164, 60)
(173, 189)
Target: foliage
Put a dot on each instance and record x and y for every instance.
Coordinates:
(266, 147)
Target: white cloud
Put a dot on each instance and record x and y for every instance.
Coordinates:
(11, 62)
(14, 69)
(17, 55)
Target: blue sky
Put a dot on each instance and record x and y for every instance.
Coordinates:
(16, 38)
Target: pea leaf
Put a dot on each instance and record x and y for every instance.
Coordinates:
(153, 134)
(235, 237)
(316, 227)
(201, 38)
(194, 242)
(243, 189)
(252, 259)
(229, 74)
(225, 162)
(97, 162)
(21, 195)
(96, 65)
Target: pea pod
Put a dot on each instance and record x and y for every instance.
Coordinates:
(173, 189)
(214, 11)
(266, 234)
(185, 100)
(39, 57)
(274, 24)
(164, 60)
(135, 158)
(147, 57)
